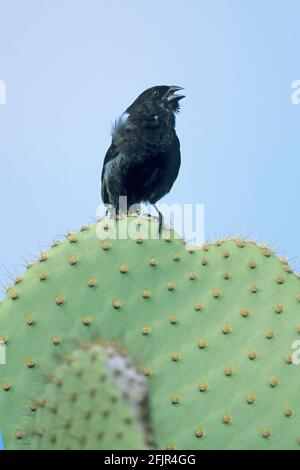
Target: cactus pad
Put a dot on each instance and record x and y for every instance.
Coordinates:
(82, 406)
(211, 330)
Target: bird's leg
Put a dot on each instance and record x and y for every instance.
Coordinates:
(160, 219)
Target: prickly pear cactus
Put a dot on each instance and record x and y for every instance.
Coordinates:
(210, 329)
(83, 404)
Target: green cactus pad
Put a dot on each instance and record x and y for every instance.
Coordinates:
(211, 329)
(82, 408)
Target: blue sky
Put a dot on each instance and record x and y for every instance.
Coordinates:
(72, 66)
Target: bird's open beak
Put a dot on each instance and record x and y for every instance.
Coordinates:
(171, 96)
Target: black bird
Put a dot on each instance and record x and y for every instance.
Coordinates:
(143, 160)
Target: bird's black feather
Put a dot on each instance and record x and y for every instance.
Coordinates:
(144, 159)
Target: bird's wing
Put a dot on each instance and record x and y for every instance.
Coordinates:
(119, 130)
(110, 155)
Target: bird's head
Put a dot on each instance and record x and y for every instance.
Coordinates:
(158, 102)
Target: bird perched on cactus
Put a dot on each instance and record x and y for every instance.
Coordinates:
(144, 158)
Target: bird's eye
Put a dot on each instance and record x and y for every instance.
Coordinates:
(155, 93)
